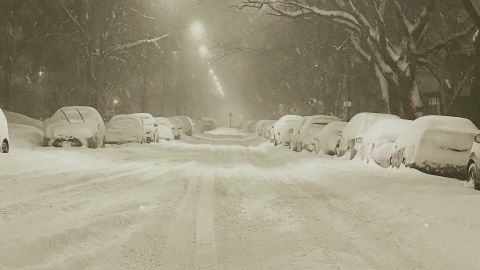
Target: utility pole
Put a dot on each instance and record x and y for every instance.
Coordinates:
(230, 115)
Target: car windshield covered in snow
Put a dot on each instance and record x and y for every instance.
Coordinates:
(70, 114)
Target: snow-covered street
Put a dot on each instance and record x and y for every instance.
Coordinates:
(227, 200)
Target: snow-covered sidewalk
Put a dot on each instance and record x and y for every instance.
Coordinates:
(226, 200)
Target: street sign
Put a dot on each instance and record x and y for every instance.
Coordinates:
(347, 104)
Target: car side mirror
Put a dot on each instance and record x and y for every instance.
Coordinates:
(477, 138)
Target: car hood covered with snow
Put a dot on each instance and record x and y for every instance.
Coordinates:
(437, 144)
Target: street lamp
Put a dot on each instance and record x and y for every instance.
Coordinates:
(115, 102)
(211, 72)
(197, 30)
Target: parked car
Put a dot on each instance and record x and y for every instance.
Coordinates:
(250, 126)
(198, 126)
(175, 130)
(327, 139)
(356, 127)
(286, 131)
(185, 122)
(164, 132)
(437, 145)
(303, 135)
(473, 166)
(125, 128)
(378, 142)
(149, 126)
(209, 124)
(281, 127)
(262, 127)
(4, 138)
(75, 126)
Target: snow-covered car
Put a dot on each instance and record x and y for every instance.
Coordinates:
(198, 126)
(165, 133)
(166, 122)
(149, 125)
(293, 127)
(437, 145)
(250, 126)
(262, 127)
(75, 126)
(357, 126)
(286, 131)
(327, 139)
(378, 142)
(473, 166)
(279, 127)
(209, 124)
(125, 128)
(185, 122)
(303, 135)
(4, 138)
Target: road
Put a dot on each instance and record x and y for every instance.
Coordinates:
(227, 201)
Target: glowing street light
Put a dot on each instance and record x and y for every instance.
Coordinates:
(211, 72)
(115, 102)
(197, 30)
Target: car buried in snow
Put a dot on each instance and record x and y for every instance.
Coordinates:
(281, 127)
(209, 124)
(327, 139)
(303, 135)
(357, 127)
(150, 126)
(125, 128)
(163, 121)
(376, 146)
(473, 166)
(185, 123)
(78, 126)
(4, 138)
(435, 144)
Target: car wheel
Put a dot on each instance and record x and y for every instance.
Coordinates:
(473, 176)
(5, 147)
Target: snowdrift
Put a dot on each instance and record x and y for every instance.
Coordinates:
(437, 145)
(16, 118)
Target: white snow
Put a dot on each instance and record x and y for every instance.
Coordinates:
(380, 138)
(327, 139)
(437, 143)
(359, 125)
(125, 128)
(227, 200)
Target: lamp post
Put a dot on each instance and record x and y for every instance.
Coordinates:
(115, 102)
(230, 116)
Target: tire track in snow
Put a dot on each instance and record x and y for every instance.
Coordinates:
(205, 252)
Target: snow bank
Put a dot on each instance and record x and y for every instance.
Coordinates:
(24, 136)
(16, 118)
(437, 145)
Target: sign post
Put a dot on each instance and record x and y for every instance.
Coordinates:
(230, 116)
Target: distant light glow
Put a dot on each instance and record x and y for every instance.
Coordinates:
(203, 50)
(115, 101)
(211, 72)
(197, 30)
